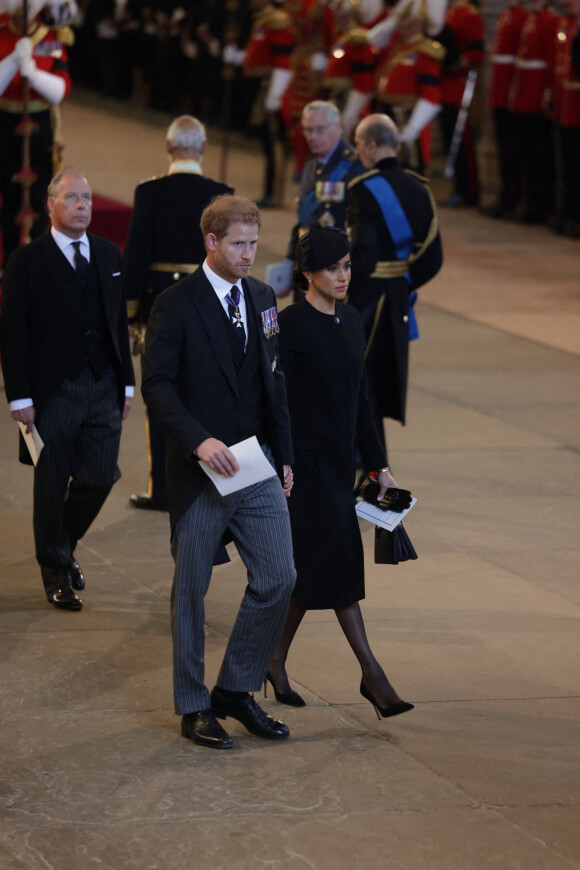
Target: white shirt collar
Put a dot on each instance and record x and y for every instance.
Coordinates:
(63, 241)
(221, 287)
(191, 166)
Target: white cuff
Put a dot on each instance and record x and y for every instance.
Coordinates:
(129, 392)
(19, 404)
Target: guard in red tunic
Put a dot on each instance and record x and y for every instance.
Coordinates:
(351, 69)
(506, 40)
(528, 101)
(267, 56)
(313, 24)
(41, 57)
(401, 45)
(467, 25)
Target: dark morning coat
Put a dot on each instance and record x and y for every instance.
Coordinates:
(42, 319)
(323, 360)
(190, 382)
(387, 360)
(165, 228)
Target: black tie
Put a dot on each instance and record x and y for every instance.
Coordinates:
(233, 300)
(81, 263)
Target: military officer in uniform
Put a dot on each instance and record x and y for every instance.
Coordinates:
(322, 194)
(395, 248)
(165, 243)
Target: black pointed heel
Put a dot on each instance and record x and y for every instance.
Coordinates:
(390, 710)
(291, 698)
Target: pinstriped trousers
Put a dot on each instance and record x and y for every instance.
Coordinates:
(81, 430)
(258, 519)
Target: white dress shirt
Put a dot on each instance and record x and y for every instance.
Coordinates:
(222, 288)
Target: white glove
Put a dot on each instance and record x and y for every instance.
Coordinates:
(8, 69)
(318, 61)
(233, 55)
(49, 86)
(380, 35)
(355, 103)
(422, 114)
(279, 82)
(23, 49)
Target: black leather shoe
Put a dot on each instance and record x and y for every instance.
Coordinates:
(246, 711)
(65, 599)
(77, 581)
(204, 729)
(146, 503)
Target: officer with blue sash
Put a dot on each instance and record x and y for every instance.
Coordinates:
(395, 249)
(323, 184)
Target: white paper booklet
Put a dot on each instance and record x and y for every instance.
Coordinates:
(33, 441)
(254, 467)
(387, 519)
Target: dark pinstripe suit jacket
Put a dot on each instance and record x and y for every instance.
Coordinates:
(41, 327)
(190, 382)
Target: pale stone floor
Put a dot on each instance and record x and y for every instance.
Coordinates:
(481, 633)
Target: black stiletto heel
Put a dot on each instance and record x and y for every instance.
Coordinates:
(390, 710)
(291, 698)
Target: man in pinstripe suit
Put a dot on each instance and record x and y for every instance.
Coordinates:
(211, 377)
(67, 369)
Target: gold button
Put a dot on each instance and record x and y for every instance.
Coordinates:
(176, 276)
(406, 318)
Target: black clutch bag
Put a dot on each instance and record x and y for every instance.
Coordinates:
(396, 500)
(393, 547)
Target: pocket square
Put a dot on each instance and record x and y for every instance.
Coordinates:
(116, 274)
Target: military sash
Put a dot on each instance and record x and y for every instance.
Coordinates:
(400, 231)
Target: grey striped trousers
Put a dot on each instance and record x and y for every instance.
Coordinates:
(258, 519)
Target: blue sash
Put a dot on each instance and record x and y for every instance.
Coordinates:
(308, 205)
(400, 231)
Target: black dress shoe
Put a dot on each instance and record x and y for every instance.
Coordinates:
(65, 599)
(204, 729)
(77, 581)
(145, 502)
(246, 711)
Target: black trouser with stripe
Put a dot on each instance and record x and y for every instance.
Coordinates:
(81, 430)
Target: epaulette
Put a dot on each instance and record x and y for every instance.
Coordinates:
(418, 176)
(362, 177)
(66, 35)
(356, 36)
(432, 48)
(275, 19)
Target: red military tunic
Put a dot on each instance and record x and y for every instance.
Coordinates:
(467, 25)
(532, 75)
(507, 35)
(270, 44)
(49, 54)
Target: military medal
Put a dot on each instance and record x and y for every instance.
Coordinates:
(270, 322)
(326, 219)
(235, 312)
